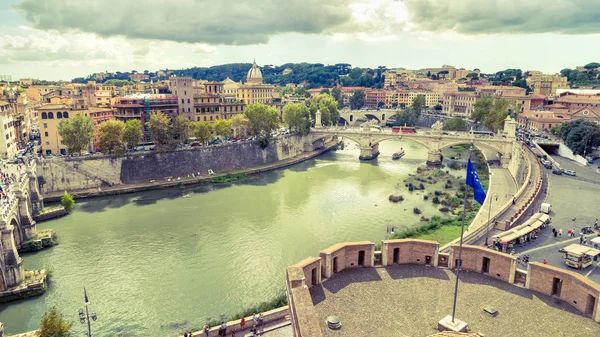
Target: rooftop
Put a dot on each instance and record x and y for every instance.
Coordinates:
(410, 299)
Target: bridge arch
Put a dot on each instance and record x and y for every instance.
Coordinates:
(425, 144)
(372, 116)
(16, 231)
(479, 144)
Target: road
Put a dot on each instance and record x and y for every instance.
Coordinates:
(574, 205)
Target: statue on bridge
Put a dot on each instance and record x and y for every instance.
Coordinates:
(437, 126)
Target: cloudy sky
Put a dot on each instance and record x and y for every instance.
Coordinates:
(62, 39)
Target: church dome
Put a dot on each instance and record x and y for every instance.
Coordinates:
(254, 74)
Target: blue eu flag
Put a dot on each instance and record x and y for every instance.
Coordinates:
(473, 181)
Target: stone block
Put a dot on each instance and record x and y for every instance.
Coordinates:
(446, 324)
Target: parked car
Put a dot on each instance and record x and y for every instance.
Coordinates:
(557, 172)
(595, 156)
(570, 173)
(547, 164)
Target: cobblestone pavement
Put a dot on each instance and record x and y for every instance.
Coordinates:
(409, 300)
(570, 198)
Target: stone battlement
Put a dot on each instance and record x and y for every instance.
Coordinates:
(314, 272)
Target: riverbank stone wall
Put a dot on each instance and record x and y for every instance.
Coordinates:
(78, 173)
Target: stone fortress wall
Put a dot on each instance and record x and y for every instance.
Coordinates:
(77, 173)
(578, 291)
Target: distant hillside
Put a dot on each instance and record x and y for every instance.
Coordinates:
(313, 74)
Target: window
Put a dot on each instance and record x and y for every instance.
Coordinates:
(59, 115)
(45, 125)
(50, 115)
(185, 94)
(46, 133)
(182, 101)
(182, 109)
(65, 114)
(211, 118)
(47, 143)
(44, 116)
(205, 118)
(188, 101)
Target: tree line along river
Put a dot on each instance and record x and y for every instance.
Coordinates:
(157, 262)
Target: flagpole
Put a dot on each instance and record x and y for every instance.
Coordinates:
(462, 230)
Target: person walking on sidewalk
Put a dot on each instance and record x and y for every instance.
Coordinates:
(560, 232)
(243, 323)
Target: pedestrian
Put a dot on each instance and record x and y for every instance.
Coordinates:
(555, 233)
(261, 319)
(243, 323)
(584, 241)
(223, 329)
(545, 261)
(253, 330)
(553, 230)
(185, 334)
(255, 319)
(232, 332)
(580, 239)
(206, 329)
(569, 232)
(560, 232)
(514, 201)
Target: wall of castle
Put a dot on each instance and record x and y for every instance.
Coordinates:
(341, 256)
(575, 289)
(501, 266)
(410, 251)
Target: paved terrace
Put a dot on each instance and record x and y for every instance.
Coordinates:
(409, 300)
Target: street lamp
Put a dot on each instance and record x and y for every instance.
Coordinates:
(487, 232)
(85, 317)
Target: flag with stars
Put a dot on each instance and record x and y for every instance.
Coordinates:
(473, 181)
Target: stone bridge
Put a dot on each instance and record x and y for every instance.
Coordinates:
(348, 117)
(21, 200)
(369, 139)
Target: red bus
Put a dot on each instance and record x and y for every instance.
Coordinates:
(404, 129)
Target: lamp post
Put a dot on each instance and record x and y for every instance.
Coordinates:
(487, 232)
(84, 317)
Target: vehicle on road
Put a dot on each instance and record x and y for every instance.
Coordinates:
(547, 164)
(482, 133)
(579, 256)
(545, 208)
(570, 173)
(590, 160)
(557, 172)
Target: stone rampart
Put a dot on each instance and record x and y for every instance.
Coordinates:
(486, 261)
(573, 288)
(409, 251)
(347, 255)
(77, 173)
(580, 292)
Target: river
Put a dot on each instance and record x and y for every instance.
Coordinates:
(156, 262)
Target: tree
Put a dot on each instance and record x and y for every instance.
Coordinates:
(495, 119)
(329, 109)
(240, 125)
(202, 131)
(482, 108)
(580, 136)
(111, 136)
(181, 129)
(67, 202)
(76, 132)
(336, 93)
(473, 76)
(324, 91)
(380, 104)
(406, 117)
(223, 128)
(418, 104)
(132, 133)
(263, 120)
(160, 129)
(455, 124)
(357, 101)
(591, 65)
(53, 324)
(297, 117)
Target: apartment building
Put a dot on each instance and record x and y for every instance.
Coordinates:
(50, 117)
(546, 84)
(8, 134)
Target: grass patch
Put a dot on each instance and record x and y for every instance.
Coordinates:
(228, 178)
(443, 235)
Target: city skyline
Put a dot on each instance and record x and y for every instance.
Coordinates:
(61, 39)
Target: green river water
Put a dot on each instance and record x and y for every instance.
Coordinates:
(157, 262)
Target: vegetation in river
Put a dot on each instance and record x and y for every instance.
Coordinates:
(228, 178)
(67, 201)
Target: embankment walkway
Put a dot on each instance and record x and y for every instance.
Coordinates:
(131, 188)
